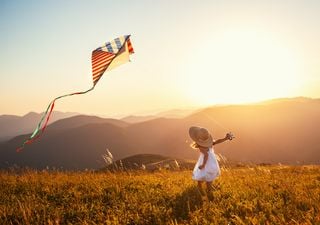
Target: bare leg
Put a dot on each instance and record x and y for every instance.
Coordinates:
(209, 186)
(209, 190)
(202, 193)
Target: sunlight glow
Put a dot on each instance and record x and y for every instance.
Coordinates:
(242, 66)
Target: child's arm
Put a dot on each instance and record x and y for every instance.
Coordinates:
(228, 136)
(205, 159)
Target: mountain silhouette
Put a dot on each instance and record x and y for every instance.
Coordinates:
(11, 125)
(278, 131)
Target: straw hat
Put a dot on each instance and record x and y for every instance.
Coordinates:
(201, 136)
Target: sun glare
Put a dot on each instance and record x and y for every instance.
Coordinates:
(241, 66)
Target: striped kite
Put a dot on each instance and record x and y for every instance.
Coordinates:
(106, 57)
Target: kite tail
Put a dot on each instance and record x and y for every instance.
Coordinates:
(38, 131)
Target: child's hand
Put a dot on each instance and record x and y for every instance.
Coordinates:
(229, 136)
(201, 167)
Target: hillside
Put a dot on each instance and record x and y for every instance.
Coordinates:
(81, 120)
(11, 125)
(285, 131)
(137, 119)
(280, 131)
(150, 162)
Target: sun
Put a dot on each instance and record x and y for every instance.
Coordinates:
(240, 66)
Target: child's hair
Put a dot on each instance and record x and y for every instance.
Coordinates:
(194, 145)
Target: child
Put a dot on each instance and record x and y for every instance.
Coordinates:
(207, 167)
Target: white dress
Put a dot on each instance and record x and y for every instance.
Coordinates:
(211, 169)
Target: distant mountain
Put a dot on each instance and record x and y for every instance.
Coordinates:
(177, 113)
(80, 120)
(137, 119)
(282, 100)
(82, 147)
(285, 131)
(282, 131)
(11, 125)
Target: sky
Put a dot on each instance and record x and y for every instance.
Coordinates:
(187, 54)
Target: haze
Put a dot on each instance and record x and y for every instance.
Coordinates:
(188, 53)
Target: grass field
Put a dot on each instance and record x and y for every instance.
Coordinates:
(257, 195)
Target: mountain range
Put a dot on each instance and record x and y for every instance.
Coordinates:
(12, 125)
(278, 131)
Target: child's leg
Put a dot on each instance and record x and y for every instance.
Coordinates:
(200, 188)
(209, 186)
(209, 190)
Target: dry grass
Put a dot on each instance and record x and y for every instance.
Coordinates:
(260, 195)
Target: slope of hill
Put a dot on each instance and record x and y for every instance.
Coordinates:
(75, 148)
(137, 119)
(285, 132)
(284, 100)
(80, 120)
(143, 159)
(11, 126)
(175, 113)
(150, 162)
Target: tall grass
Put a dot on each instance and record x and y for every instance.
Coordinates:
(259, 195)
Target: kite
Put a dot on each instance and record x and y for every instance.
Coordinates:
(104, 58)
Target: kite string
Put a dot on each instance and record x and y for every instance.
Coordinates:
(225, 130)
(215, 121)
(37, 132)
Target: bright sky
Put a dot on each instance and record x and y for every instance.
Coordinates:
(188, 53)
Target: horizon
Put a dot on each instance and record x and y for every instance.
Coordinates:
(186, 108)
(254, 125)
(237, 52)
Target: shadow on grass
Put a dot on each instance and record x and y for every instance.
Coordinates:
(186, 202)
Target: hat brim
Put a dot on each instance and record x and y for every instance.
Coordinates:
(193, 131)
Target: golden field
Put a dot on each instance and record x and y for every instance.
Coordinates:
(248, 195)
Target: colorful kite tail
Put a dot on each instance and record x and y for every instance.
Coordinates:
(47, 114)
